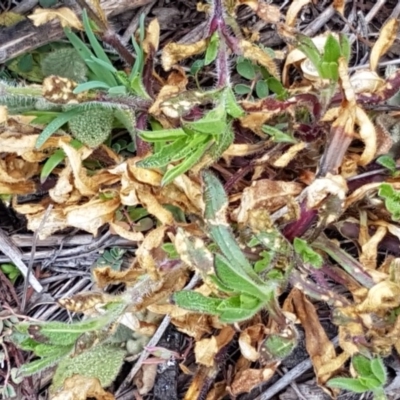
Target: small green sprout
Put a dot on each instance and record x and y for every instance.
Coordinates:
(371, 377)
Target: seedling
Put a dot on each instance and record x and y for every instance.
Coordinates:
(370, 377)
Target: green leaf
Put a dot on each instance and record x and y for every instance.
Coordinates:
(278, 346)
(332, 50)
(172, 152)
(56, 124)
(307, 254)
(237, 279)
(278, 135)
(242, 89)
(387, 162)
(194, 301)
(392, 200)
(186, 164)
(106, 65)
(39, 365)
(8, 391)
(90, 85)
(236, 315)
(262, 90)
(246, 69)
(261, 265)
(386, 190)
(231, 105)
(276, 86)
(351, 384)
(102, 362)
(117, 91)
(307, 46)
(86, 54)
(97, 48)
(214, 122)
(216, 202)
(196, 67)
(379, 370)
(127, 118)
(212, 49)
(362, 365)
(25, 63)
(370, 382)
(345, 46)
(162, 135)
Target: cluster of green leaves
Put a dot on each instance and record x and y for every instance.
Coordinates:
(112, 258)
(7, 388)
(85, 348)
(392, 199)
(327, 63)
(245, 292)
(371, 377)
(11, 271)
(262, 81)
(211, 134)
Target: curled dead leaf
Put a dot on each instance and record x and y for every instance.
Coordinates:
(175, 52)
(368, 135)
(66, 16)
(244, 381)
(79, 387)
(265, 194)
(386, 39)
(259, 56)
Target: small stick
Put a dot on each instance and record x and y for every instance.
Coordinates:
(153, 342)
(32, 258)
(15, 255)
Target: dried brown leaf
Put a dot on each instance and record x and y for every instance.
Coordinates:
(249, 340)
(369, 250)
(338, 5)
(120, 230)
(259, 56)
(267, 12)
(152, 241)
(244, 381)
(146, 378)
(152, 39)
(386, 39)
(79, 387)
(265, 194)
(293, 11)
(92, 215)
(319, 347)
(368, 135)
(83, 302)
(174, 52)
(66, 16)
(288, 155)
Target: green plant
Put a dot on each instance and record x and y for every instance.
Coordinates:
(306, 253)
(327, 62)
(262, 81)
(370, 377)
(392, 199)
(211, 134)
(83, 347)
(11, 271)
(112, 258)
(245, 292)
